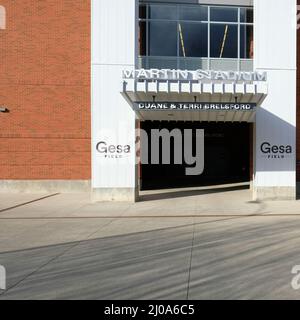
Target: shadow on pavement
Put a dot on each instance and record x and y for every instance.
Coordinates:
(207, 260)
(189, 193)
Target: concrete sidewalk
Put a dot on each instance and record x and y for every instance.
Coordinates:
(179, 244)
(190, 202)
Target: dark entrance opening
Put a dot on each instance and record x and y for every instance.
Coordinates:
(226, 156)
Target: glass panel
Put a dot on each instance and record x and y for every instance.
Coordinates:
(187, 36)
(142, 63)
(193, 63)
(142, 39)
(162, 38)
(199, 13)
(162, 63)
(246, 42)
(142, 12)
(193, 39)
(162, 12)
(246, 15)
(224, 64)
(223, 41)
(246, 65)
(224, 14)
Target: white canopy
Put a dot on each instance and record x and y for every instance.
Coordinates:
(190, 91)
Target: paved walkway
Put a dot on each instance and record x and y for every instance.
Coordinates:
(180, 244)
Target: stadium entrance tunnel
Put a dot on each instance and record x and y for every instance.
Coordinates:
(227, 155)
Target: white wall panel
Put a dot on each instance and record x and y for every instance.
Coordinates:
(275, 52)
(113, 121)
(275, 34)
(113, 32)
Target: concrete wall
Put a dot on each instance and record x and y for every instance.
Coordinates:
(45, 186)
(275, 52)
(114, 29)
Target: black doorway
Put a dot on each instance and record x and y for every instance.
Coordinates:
(226, 150)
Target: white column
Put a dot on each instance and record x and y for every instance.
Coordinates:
(114, 28)
(275, 52)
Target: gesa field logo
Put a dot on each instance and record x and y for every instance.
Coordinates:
(112, 151)
(275, 151)
(161, 147)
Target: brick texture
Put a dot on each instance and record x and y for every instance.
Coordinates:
(45, 84)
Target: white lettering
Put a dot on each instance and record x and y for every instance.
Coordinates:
(114, 310)
(142, 73)
(154, 73)
(260, 76)
(127, 74)
(183, 74)
(173, 74)
(200, 74)
(220, 75)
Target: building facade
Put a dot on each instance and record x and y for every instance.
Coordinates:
(85, 85)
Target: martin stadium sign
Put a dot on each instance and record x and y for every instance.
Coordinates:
(197, 75)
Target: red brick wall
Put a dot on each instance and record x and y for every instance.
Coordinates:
(45, 84)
